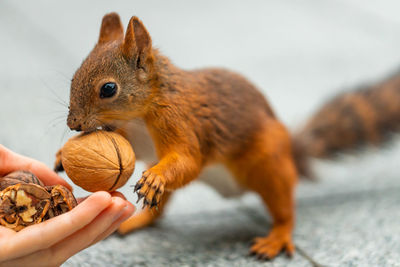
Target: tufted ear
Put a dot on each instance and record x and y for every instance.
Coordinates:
(137, 42)
(111, 28)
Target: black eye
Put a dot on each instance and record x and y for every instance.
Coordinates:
(108, 90)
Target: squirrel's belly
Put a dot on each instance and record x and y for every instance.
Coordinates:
(218, 177)
(139, 137)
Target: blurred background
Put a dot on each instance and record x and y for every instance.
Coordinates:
(298, 53)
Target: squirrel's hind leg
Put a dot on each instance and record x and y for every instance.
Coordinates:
(145, 217)
(267, 168)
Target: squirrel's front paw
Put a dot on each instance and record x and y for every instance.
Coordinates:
(58, 167)
(151, 187)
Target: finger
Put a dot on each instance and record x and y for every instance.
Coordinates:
(114, 194)
(118, 194)
(81, 199)
(84, 237)
(48, 233)
(60, 252)
(6, 232)
(11, 161)
(128, 211)
(34, 259)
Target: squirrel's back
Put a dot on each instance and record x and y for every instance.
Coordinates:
(221, 107)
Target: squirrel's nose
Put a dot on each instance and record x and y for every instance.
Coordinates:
(73, 124)
(76, 128)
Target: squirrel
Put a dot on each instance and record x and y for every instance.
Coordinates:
(211, 124)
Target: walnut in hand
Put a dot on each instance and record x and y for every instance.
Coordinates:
(24, 200)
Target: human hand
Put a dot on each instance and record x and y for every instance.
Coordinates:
(11, 161)
(52, 242)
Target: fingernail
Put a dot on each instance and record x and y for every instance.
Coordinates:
(118, 200)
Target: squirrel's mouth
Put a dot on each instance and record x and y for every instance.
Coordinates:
(107, 127)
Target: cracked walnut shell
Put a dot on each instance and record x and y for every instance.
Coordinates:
(24, 200)
(98, 161)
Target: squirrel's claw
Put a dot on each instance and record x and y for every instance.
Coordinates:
(140, 196)
(137, 187)
(150, 187)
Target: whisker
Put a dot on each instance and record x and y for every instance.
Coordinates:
(57, 99)
(63, 75)
(51, 125)
(63, 136)
(57, 119)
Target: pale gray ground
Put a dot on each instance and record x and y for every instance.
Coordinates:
(298, 52)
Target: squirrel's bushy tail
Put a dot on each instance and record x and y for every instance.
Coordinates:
(368, 115)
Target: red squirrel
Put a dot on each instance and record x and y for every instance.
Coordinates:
(210, 124)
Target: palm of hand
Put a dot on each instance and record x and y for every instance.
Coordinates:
(54, 241)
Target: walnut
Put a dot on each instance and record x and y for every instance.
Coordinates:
(24, 200)
(19, 177)
(98, 161)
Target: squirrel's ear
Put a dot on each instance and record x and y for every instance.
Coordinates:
(111, 28)
(137, 42)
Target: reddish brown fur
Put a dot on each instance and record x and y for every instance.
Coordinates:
(364, 116)
(195, 118)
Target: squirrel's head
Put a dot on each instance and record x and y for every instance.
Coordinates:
(114, 82)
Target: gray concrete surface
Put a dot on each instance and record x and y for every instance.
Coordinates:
(298, 53)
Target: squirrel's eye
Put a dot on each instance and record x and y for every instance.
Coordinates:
(108, 90)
